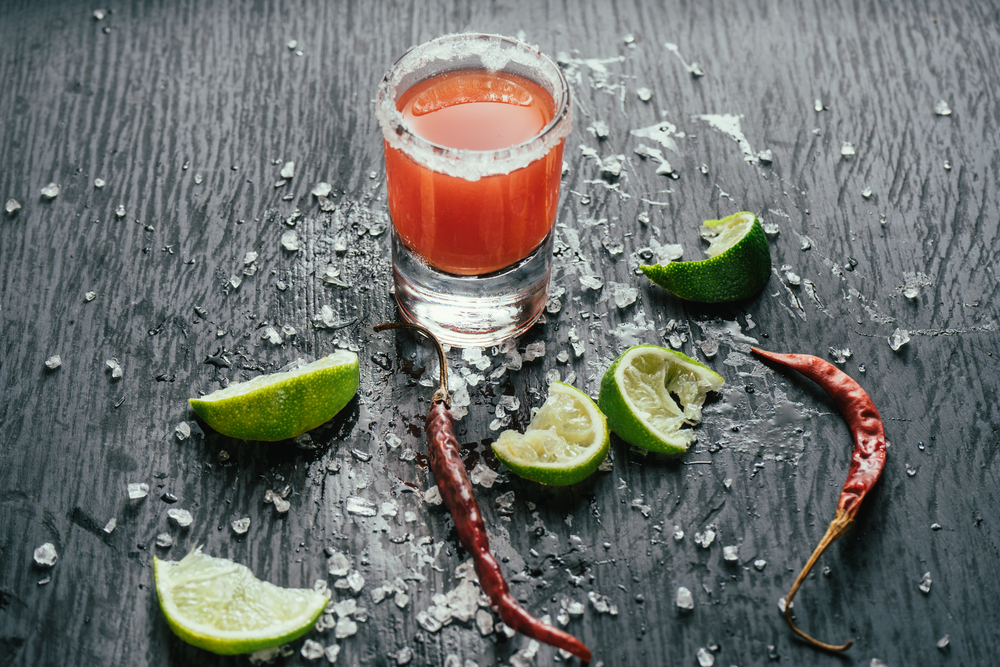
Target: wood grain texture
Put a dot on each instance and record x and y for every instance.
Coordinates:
(159, 96)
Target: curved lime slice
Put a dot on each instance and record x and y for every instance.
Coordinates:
(565, 442)
(651, 394)
(218, 605)
(738, 267)
(282, 405)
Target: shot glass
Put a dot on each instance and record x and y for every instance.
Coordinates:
(474, 127)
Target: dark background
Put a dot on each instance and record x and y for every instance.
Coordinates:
(155, 86)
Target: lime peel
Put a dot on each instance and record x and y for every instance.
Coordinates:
(566, 441)
(220, 606)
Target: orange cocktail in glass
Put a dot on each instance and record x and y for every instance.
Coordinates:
(474, 128)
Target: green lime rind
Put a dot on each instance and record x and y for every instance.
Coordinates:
(568, 427)
(282, 405)
(640, 404)
(218, 605)
(738, 273)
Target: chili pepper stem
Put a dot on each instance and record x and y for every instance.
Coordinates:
(441, 393)
(838, 528)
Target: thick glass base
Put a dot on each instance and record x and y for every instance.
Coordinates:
(472, 311)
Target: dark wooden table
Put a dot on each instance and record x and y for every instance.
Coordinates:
(187, 110)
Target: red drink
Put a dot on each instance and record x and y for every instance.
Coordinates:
(474, 227)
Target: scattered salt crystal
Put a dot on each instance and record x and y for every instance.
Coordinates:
(947, 165)
(705, 659)
(678, 533)
(110, 526)
(534, 350)
(46, 555)
(685, 600)
(312, 650)
(847, 149)
(935, 526)
(645, 94)
(942, 109)
(925, 583)
(137, 491)
(12, 206)
(50, 191)
(99, 14)
(482, 476)
(271, 336)
(432, 496)
(292, 44)
(602, 604)
(771, 228)
(428, 622)
(624, 295)
(731, 554)
(250, 258)
(290, 241)
(818, 105)
(331, 653)
(401, 599)
(840, 356)
(89, 296)
(765, 156)
(793, 278)
(877, 663)
(806, 243)
(592, 282)
(704, 540)
(181, 517)
(710, 347)
(182, 431)
(355, 581)
(338, 564)
(99, 183)
(235, 281)
(53, 362)
(360, 506)
(198, 179)
(898, 339)
(120, 211)
(600, 129)
(484, 622)
(240, 526)
(281, 506)
(911, 292)
(322, 190)
(288, 171)
(345, 628)
(115, 368)
(404, 656)
(164, 541)
(943, 642)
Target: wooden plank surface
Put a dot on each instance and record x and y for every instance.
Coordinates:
(187, 110)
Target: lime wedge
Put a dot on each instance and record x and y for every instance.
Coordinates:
(282, 405)
(650, 394)
(565, 442)
(738, 267)
(218, 605)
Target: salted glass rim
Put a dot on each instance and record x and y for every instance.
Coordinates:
(464, 51)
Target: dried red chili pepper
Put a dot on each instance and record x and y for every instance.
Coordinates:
(456, 491)
(867, 460)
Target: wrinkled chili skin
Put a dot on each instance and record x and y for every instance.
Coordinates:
(456, 491)
(863, 420)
